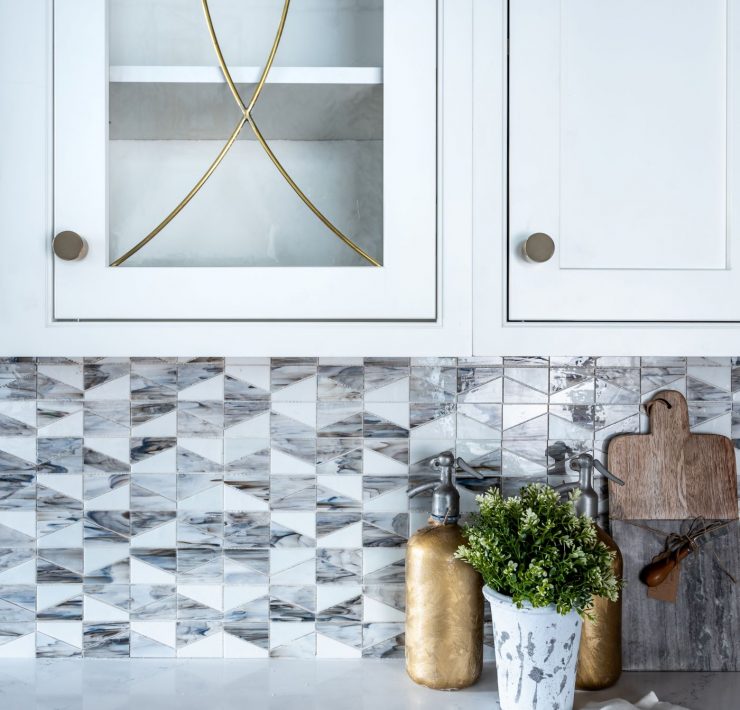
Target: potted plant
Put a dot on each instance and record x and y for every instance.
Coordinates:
(541, 564)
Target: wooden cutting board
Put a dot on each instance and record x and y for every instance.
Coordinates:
(670, 473)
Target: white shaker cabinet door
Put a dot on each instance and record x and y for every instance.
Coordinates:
(345, 156)
(624, 140)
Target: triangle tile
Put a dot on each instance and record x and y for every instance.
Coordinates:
(302, 391)
(395, 391)
(153, 381)
(288, 428)
(329, 499)
(59, 418)
(100, 371)
(239, 495)
(69, 633)
(117, 499)
(208, 595)
(211, 389)
(247, 381)
(162, 535)
(153, 454)
(250, 607)
(96, 610)
(97, 461)
(337, 382)
(49, 388)
(15, 538)
(190, 374)
(22, 573)
(144, 573)
(289, 372)
(49, 647)
(144, 647)
(21, 646)
(534, 428)
(189, 461)
(145, 412)
(251, 455)
(209, 499)
(115, 389)
(256, 427)
(293, 456)
(349, 536)
(163, 632)
(66, 536)
(382, 456)
(23, 521)
(236, 645)
(161, 484)
(375, 611)
(241, 411)
(199, 640)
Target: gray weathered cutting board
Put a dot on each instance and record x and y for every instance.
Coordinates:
(701, 631)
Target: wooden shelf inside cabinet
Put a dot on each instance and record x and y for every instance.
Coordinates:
(245, 75)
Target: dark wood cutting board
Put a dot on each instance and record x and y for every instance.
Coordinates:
(670, 473)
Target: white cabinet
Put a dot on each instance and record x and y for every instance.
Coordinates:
(300, 189)
(612, 127)
(254, 177)
(623, 147)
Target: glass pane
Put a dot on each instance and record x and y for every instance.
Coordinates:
(320, 115)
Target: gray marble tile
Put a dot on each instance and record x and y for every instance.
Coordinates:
(289, 603)
(246, 530)
(197, 371)
(433, 384)
(383, 640)
(153, 380)
(385, 529)
(109, 640)
(526, 361)
(18, 491)
(17, 380)
(339, 566)
(340, 382)
(256, 633)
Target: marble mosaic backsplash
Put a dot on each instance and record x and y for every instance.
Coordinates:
(241, 507)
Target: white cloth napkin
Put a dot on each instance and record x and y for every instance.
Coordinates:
(649, 702)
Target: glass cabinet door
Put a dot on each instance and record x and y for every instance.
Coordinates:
(246, 159)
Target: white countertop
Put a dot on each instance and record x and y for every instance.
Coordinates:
(61, 684)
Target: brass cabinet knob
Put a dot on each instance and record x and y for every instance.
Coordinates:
(69, 246)
(538, 248)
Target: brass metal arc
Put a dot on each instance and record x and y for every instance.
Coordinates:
(246, 118)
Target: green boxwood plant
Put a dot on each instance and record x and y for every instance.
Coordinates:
(535, 548)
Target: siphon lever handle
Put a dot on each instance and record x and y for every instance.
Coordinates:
(421, 488)
(465, 466)
(604, 471)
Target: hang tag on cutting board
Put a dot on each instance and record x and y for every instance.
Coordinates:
(667, 591)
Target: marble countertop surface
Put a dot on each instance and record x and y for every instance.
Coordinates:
(284, 684)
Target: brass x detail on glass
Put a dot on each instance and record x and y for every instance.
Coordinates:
(246, 119)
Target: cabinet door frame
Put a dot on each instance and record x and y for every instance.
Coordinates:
(493, 332)
(26, 306)
(403, 289)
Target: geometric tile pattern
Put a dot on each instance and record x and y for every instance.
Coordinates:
(255, 507)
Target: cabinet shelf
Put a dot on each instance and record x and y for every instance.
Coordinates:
(123, 74)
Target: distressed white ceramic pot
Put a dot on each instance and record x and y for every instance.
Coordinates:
(536, 654)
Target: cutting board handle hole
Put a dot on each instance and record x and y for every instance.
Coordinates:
(649, 405)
